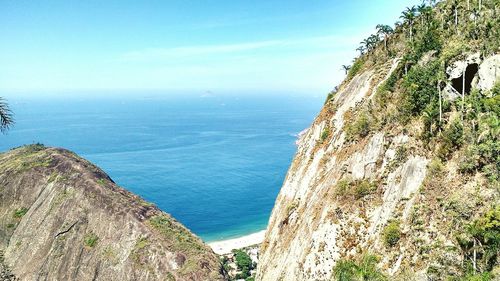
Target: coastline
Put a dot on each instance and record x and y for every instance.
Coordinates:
(226, 246)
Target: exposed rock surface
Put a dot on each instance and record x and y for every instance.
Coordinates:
(457, 69)
(489, 72)
(62, 218)
(312, 226)
(308, 223)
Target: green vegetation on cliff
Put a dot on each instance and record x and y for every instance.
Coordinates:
(453, 119)
(363, 269)
(244, 264)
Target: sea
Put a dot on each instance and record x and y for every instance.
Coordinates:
(214, 162)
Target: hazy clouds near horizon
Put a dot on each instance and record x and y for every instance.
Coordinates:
(179, 45)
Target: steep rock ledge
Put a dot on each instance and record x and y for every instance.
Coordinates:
(313, 225)
(307, 222)
(62, 218)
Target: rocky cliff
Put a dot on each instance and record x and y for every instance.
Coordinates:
(397, 178)
(62, 218)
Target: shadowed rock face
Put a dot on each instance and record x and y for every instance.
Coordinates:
(62, 218)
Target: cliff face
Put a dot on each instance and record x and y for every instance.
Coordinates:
(375, 175)
(62, 218)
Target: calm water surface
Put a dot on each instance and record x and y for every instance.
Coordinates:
(215, 163)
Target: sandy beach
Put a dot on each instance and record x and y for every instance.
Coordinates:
(225, 246)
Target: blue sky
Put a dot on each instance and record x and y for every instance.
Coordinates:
(182, 44)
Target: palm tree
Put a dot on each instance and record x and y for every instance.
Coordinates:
(421, 11)
(440, 103)
(365, 44)
(432, 3)
(6, 118)
(424, 12)
(371, 42)
(428, 116)
(463, 91)
(409, 17)
(384, 31)
(361, 50)
(457, 6)
(346, 68)
(373, 39)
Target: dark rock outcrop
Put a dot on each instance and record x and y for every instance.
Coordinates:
(62, 218)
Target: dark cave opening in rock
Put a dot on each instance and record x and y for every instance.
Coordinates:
(470, 72)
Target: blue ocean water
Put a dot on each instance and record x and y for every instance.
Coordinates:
(215, 163)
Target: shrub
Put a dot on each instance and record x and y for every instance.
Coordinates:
(170, 229)
(359, 128)
(430, 117)
(401, 154)
(492, 173)
(110, 255)
(386, 88)
(478, 277)
(290, 208)
(355, 68)
(435, 167)
(363, 188)
(19, 213)
(492, 104)
(420, 87)
(331, 95)
(90, 239)
(364, 269)
(342, 188)
(225, 263)
(482, 152)
(486, 230)
(345, 270)
(391, 81)
(357, 189)
(400, 157)
(35, 147)
(470, 160)
(391, 233)
(481, 243)
(452, 138)
(325, 134)
(244, 263)
(454, 47)
(435, 176)
(368, 269)
(428, 40)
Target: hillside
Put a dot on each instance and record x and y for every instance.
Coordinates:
(62, 218)
(398, 176)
